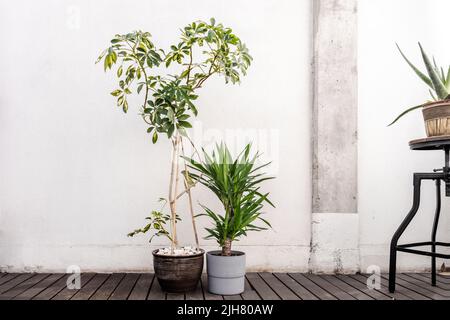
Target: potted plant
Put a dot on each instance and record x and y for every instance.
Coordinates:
(205, 49)
(236, 183)
(436, 113)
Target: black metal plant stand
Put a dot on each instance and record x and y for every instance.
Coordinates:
(438, 175)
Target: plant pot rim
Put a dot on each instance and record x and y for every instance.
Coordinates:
(432, 104)
(155, 254)
(217, 253)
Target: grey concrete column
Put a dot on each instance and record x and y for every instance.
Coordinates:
(334, 245)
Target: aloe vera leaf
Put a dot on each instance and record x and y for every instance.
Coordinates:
(438, 86)
(447, 80)
(417, 71)
(432, 95)
(436, 69)
(405, 112)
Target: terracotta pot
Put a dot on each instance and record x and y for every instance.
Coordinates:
(178, 273)
(437, 118)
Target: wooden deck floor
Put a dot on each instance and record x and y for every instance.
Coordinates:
(259, 286)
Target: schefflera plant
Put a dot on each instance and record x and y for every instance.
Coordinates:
(437, 79)
(205, 49)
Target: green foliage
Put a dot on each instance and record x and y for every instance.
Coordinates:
(169, 100)
(157, 222)
(204, 49)
(236, 183)
(436, 79)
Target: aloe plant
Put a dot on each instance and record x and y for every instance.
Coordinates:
(236, 183)
(436, 79)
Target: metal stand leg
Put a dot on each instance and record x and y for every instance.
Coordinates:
(433, 234)
(393, 258)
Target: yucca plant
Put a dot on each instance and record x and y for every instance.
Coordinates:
(436, 79)
(236, 182)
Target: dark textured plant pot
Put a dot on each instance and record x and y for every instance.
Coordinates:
(437, 118)
(178, 273)
(226, 275)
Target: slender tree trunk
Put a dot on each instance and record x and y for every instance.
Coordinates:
(226, 249)
(191, 208)
(177, 178)
(171, 194)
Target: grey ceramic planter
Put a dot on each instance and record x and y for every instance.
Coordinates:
(226, 275)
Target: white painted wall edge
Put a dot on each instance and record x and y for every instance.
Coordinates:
(335, 245)
(107, 259)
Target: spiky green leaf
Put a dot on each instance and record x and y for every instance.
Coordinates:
(438, 86)
(417, 71)
(405, 112)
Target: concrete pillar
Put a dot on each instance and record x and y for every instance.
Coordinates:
(334, 241)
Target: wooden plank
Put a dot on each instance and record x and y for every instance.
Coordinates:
(123, 290)
(208, 295)
(249, 293)
(67, 294)
(91, 287)
(23, 286)
(264, 291)
(108, 287)
(39, 287)
(14, 282)
(343, 286)
(426, 288)
(312, 287)
(175, 296)
(400, 293)
(232, 297)
(439, 277)
(427, 278)
(298, 289)
(278, 287)
(375, 294)
(53, 289)
(405, 288)
(269, 286)
(155, 291)
(8, 277)
(327, 286)
(142, 287)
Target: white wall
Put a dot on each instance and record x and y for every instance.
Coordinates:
(386, 87)
(77, 174)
